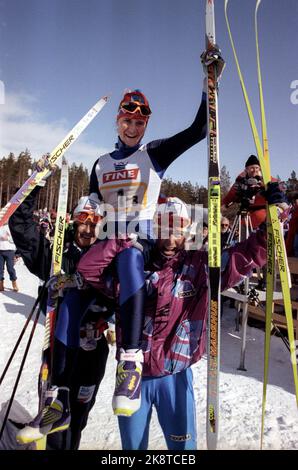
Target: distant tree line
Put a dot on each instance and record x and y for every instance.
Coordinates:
(195, 194)
(14, 172)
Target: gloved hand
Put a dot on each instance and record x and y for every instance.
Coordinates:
(44, 164)
(41, 165)
(211, 56)
(65, 281)
(273, 194)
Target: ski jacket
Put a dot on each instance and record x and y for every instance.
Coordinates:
(174, 335)
(257, 208)
(33, 246)
(135, 173)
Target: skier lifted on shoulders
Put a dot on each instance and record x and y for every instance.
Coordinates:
(128, 182)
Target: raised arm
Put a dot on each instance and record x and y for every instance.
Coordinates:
(34, 248)
(164, 151)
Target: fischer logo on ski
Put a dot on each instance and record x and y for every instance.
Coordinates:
(54, 156)
(60, 237)
(62, 149)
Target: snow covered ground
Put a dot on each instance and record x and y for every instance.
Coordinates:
(240, 392)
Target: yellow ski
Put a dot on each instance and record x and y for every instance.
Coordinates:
(275, 236)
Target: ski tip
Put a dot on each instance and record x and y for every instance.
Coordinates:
(258, 4)
(107, 97)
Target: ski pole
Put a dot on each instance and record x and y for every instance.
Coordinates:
(20, 372)
(22, 334)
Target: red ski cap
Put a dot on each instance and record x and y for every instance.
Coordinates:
(134, 105)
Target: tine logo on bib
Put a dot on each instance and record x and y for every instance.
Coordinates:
(122, 175)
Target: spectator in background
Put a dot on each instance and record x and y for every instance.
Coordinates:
(7, 257)
(53, 217)
(205, 237)
(45, 227)
(247, 191)
(225, 231)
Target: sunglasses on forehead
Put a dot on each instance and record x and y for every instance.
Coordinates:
(84, 217)
(133, 107)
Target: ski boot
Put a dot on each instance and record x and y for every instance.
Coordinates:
(54, 417)
(127, 395)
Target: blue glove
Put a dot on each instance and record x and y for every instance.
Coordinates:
(213, 56)
(273, 194)
(65, 281)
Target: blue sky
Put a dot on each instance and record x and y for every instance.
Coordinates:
(57, 57)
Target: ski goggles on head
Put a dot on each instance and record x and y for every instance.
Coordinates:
(84, 217)
(133, 107)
